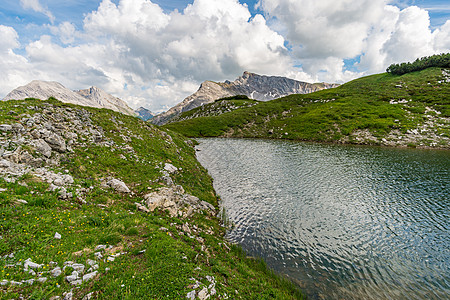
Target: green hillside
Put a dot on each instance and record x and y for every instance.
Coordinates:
(408, 110)
(95, 204)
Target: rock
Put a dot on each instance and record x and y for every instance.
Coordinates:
(141, 207)
(191, 295)
(16, 283)
(78, 267)
(56, 142)
(22, 201)
(207, 205)
(42, 147)
(203, 294)
(42, 279)
(91, 262)
(56, 272)
(77, 282)
(89, 276)
(5, 164)
(100, 247)
(29, 281)
(17, 127)
(4, 282)
(67, 296)
(71, 278)
(29, 264)
(110, 258)
(88, 296)
(213, 291)
(57, 236)
(186, 228)
(170, 168)
(118, 185)
(5, 127)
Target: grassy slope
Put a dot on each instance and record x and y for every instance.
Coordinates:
(170, 259)
(336, 115)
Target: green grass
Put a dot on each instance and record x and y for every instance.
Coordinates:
(333, 115)
(156, 264)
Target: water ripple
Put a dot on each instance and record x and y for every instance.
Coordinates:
(343, 222)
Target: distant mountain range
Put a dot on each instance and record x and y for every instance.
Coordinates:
(258, 87)
(92, 96)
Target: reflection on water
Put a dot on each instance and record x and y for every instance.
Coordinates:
(343, 222)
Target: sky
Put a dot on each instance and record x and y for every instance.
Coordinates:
(154, 53)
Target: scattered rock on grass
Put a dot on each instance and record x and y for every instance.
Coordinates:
(118, 185)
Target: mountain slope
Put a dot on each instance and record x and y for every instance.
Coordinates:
(93, 96)
(96, 204)
(409, 110)
(144, 113)
(255, 86)
(105, 100)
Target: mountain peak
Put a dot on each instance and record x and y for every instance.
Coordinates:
(258, 87)
(94, 96)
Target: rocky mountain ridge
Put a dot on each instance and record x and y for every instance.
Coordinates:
(144, 113)
(92, 96)
(254, 86)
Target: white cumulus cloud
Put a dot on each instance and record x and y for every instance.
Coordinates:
(154, 58)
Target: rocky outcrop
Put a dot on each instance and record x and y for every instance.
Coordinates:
(93, 96)
(254, 86)
(144, 113)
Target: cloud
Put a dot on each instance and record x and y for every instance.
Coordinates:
(323, 34)
(37, 7)
(66, 32)
(154, 58)
(210, 39)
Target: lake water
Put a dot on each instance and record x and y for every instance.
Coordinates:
(344, 222)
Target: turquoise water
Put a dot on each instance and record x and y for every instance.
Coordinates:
(344, 222)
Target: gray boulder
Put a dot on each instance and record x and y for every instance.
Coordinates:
(118, 185)
(5, 127)
(42, 147)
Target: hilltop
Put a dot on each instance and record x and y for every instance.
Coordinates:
(93, 96)
(96, 204)
(409, 110)
(258, 87)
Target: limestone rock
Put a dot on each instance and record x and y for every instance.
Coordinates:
(118, 185)
(89, 276)
(176, 201)
(29, 264)
(42, 147)
(5, 127)
(56, 142)
(170, 168)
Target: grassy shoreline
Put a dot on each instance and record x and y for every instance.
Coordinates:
(128, 252)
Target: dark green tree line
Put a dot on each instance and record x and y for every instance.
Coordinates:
(438, 60)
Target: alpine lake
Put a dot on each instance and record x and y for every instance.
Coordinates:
(343, 222)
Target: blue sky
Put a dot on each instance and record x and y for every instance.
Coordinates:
(148, 54)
